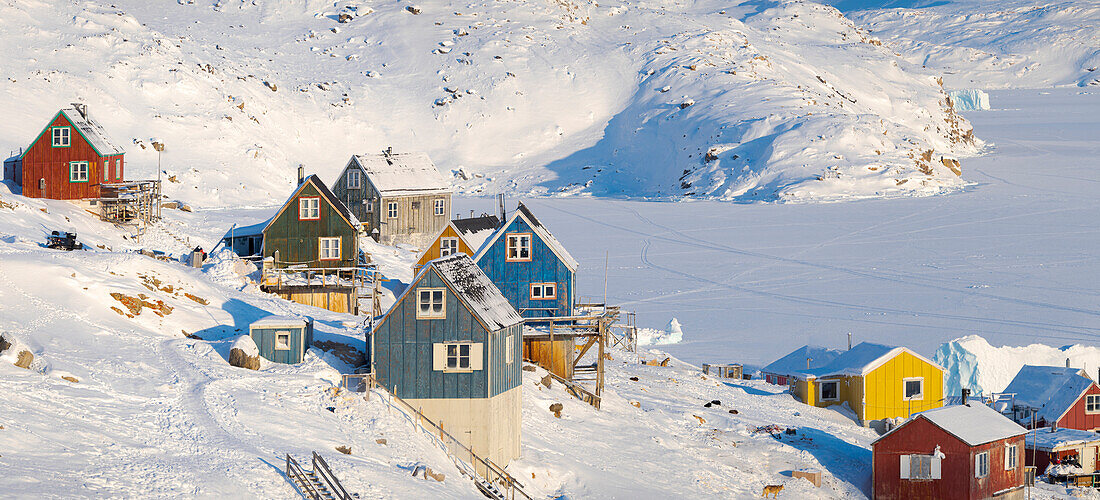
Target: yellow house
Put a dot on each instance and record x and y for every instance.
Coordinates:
(460, 236)
(876, 381)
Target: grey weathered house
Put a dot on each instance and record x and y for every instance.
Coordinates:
(399, 197)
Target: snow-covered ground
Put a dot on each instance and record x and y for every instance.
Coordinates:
(1012, 258)
(982, 44)
(631, 98)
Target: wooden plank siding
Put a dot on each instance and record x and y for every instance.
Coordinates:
(1077, 417)
(297, 241)
(884, 393)
(43, 161)
(412, 225)
(403, 348)
(265, 340)
(514, 278)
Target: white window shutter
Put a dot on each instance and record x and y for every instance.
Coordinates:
(476, 356)
(936, 467)
(977, 465)
(439, 356)
(905, 466)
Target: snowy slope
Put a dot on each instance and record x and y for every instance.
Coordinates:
(1004, 44)
(791, 99)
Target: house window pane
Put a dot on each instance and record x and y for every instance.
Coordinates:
(61, 137)
(353, 179)
(432, 303)
(914, 389)
(309, 208)
(464, 355)
(330, 248)
(391, 210)
(518, 247)
(118, 169)
(440, 207)
(448, 246)
(829, 390)
(452, 356)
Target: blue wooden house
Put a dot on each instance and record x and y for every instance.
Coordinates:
(282, 339)
(450, 346)
(530, 267)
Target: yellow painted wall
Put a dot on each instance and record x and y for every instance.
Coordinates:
(885, 388)
(432, 251)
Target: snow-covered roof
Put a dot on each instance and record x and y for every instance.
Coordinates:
(1051, 390)
(402, 174)
(795, 362)
(861, 360)
(540, 230)
(476, 230)
(974, 425)
(279, 322)
(1047, 438)
(92, 131)
(256, 229)
(474, 288)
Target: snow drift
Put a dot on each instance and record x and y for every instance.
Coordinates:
(971, 362)
(769, 100)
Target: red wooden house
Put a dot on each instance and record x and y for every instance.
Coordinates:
(953, 452)
(1057, 396)
(69, 160)
(1049, 445)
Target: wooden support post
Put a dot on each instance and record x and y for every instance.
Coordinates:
(599, 362)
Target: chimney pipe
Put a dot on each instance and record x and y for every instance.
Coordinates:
(966, 397)
(81, 108)
(501, 208)
(808, 362)
(301, 174)
(849, 341)
(1067, 362)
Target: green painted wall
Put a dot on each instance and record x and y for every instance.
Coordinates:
(297, 240)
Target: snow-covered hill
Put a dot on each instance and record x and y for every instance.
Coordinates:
(1004, 44)
(641, 98)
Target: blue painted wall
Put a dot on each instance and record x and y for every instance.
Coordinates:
(265, 340)
(403, 350)
(514, 278)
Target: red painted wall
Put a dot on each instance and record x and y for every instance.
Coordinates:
(43, 161)
(1076, 418)
(957, 468)
(772, 378)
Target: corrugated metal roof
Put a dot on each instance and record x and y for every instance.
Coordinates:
(477, 290)
(1051, 390)
(974, 425)
(93, 132)
(402, 174)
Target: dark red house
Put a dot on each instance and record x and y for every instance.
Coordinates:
(953, 452)
(1057, 396)
(69, 160)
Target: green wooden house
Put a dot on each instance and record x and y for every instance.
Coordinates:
(312, 229)
(282, 339)
(451, 346)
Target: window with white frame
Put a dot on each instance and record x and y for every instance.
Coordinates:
(914, 388)
(829, 390)
(106, 169)
(1092, 403)
(118, 169)
(518, 247)
(309, 208)
(391, 210)
(544, 291)
(921, 467)
(355, 180)
(329, 248)
(1012, 456)
(458, 356)
(368, 205)
(440, 207)
(981, 464)
(282, 341)
(510, 349)
(61, 137)
(431, 303)
(78, 171)
(448, 246)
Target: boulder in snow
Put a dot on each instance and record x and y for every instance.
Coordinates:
(245, 353)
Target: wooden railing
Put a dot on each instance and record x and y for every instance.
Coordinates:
(298, 476)
(320, 468)
(576, 390)
(489, 478)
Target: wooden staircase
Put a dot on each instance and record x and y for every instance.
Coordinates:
(316, 484)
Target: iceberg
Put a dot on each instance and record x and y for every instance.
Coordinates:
(969, 100)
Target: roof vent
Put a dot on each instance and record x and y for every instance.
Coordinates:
(82, 109)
